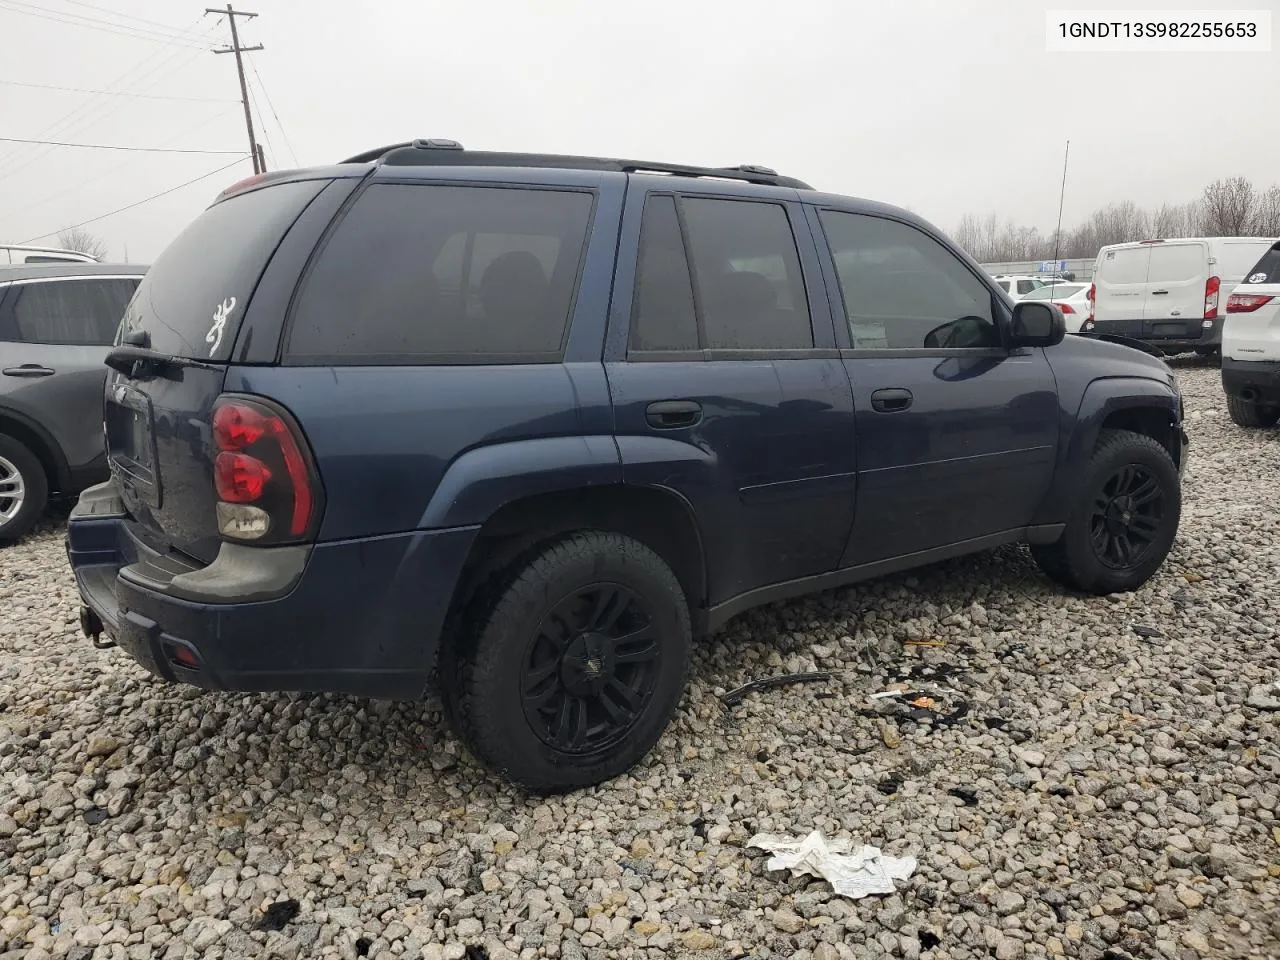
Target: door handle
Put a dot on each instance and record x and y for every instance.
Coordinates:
(1158, 293)
(891, 400)
(673, 414)
(28, 370)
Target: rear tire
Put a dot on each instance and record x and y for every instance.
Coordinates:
(568, 672)
(1249, 413)
(24, 490)
(1124, 521)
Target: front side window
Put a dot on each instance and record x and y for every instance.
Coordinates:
(83, 312)
(903, 290)
(446, 274)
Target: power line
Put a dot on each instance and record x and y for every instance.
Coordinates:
(110, 172)
(266, 96)
(105, 146)
(72, 116)
(10, 163)
(117, 13)
(138, 203)
(93, 23)
(115, 93)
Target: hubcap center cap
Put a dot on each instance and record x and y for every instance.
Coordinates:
(588, 664)
(1119, 515)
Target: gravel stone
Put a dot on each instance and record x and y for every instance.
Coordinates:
(1125, 788)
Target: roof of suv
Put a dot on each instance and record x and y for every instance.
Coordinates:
(433, 152)
(39, 271)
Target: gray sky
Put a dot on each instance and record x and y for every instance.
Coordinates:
(945, 107)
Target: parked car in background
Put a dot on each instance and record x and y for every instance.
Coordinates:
(1251, 345)
(1071, 298)
(520, 426)
(15, 255)
(57, 323)
(1018, 286)
(1170, 294)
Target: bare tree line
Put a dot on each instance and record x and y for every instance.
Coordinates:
(1227, 208)
(83, 241)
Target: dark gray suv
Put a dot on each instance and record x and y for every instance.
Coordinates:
(57, 322)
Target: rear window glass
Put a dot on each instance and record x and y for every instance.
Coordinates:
(68, 312)
(1176, 263)
(1266, 270)
(446, 274)
(1054, 291)
(195, 294)
(1127, 265)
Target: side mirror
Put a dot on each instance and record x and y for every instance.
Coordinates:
(1037, 323)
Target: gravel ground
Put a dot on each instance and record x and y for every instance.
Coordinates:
(1107, 795)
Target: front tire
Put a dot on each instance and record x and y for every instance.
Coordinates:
(1124, 521)
(24, 491)
(1248, 413)
(571, 676)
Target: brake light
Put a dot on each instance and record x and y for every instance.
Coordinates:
(267, 487)
(1211, 287)
(240, 478)
(1247, 302)
(1066, 307)
(1093, 292)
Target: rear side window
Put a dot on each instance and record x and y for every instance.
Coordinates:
(446, 274)
(194, 296)
(1176, 263)
(83, 312)
(747, 274)
(663, 315)
(1266, 270)
(1026, 286)
(903, 290)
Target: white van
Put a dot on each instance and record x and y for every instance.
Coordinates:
(1171, 294)
(14, 255)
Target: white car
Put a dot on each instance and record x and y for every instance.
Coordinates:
(1251, 345)
(1017, 286)
(1073, 298)
(1171, 294)
(11, 254)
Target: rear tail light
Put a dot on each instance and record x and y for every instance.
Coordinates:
(267, 486)
(1246, 302)
(1211, 287)
(1066, 308)
(1093, 293)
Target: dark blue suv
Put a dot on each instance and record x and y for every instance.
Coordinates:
(520, 427)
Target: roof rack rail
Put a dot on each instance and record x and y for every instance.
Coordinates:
(431, 152)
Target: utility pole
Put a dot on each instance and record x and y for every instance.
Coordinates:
(259, 164)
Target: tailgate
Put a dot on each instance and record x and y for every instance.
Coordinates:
(189, 306)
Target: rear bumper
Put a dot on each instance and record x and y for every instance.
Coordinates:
(360, 616)
(1257, 381)
(1208, 338)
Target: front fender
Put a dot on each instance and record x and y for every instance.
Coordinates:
(485, 479)
(1101, 398)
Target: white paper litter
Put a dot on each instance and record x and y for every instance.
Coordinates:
(851, 873)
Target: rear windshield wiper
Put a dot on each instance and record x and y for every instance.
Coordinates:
(133, 360)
